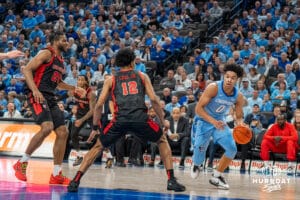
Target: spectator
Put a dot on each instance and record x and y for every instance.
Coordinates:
(256, 113)
(179, 134)
(282, 137)
(11, 111)
(282, 93)
(290, 77)
(246, 88)
(173, 104)
(255, 99)
(267, 105)
(168, 81)
(139, 65)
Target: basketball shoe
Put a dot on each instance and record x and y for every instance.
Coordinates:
(195, 170)
(59, 179)
(73, 186)
(219, 182)
(174, 185)
(20, 170)
(78, 161)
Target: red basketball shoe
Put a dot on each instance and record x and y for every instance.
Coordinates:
(60, 179)
(20, 170)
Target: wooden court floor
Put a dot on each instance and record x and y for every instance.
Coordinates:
(141, 183)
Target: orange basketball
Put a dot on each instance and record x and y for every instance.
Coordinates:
(242, 134)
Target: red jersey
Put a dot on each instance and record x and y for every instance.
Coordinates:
(48, 75)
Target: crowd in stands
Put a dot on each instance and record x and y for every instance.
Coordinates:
(264, 40)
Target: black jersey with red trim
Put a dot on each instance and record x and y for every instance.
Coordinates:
(48, 75)
(128, 96)
(83, 104)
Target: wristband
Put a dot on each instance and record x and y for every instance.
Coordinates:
(95, 127)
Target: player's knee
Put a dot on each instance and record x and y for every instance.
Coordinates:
(46, 129)
(62, 132)
(231, 151)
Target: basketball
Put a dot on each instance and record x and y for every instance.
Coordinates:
(242, 134)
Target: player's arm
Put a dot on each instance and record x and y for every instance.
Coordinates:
(43, 56)
(72, 89)
(210, 92)
(101, 101)
(11, 54)
(239, 110)
(154, 99)
(92, 103)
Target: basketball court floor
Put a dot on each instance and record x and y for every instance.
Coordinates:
(140, 183)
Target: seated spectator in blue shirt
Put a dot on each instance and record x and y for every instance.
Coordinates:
(10, 16)
(283, 61)
(246, 88)
(267, 105)
(29, 22)
(207, 54)
(173, 104)
(139, 65)
(282, 93)
(40, 17)
(93, 63)
(168, 46)
(282, 22)
(36, 32)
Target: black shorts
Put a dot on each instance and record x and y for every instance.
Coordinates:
(47, 111)
(146, 131)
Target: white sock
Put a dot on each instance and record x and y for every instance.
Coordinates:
(108, 154)
(289, 164)
(217, 173)
(25, 157)
(56, 170)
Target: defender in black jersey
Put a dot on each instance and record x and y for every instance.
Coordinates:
(43, 74)
(85, 106)
(128, 89)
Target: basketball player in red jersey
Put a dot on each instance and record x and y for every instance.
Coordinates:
(43, 74)
(85, 106)
(128, 89)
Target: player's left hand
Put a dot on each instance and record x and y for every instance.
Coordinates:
(80, 91)
(78, 123)
(14, 54)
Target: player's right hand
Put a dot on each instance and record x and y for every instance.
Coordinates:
(219, 124)
(93, 134)
(38, 97)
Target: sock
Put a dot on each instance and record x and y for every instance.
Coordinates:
(108, 154)
(78, 176)
(56, 170)
(217, 173)
(25, 157)
(289, 164)
(170, 174)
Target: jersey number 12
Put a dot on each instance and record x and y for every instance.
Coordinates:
(129, 88)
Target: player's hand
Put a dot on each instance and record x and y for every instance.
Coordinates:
(277, 140)
(78, 123)
(219, 124)
(14, 54)
(80, 91)
(38, 97)
(93, 134)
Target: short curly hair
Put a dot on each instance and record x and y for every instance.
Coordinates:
(234, 68)
(124, 57)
